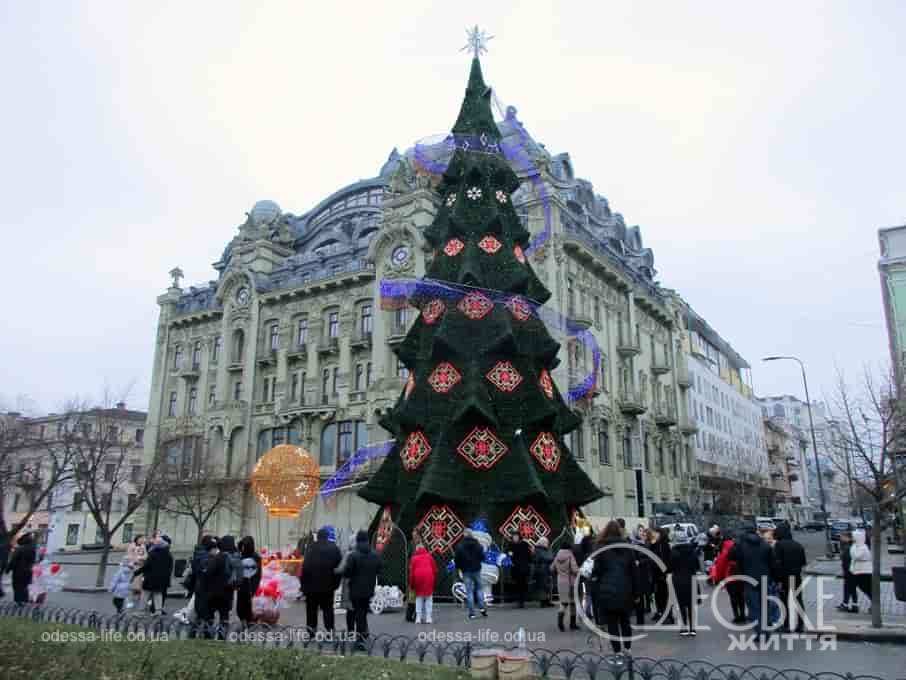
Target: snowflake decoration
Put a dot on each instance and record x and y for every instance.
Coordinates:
(520, 256)
(454, 247)
(481, 448)
(444, 377)
(519, 308)
(547, 385)
(490, 244)
(451, 199)
(432, 311)
(474, 193)
(415, 450)
(546, 451)
(440, 529)
(500, 196)
(528, 523)
(504, 376)
(475, 305)
(410, 385)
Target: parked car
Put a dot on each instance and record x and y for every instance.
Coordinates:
(838, 526)
(764, 524)
(814, 525)
(690, 531)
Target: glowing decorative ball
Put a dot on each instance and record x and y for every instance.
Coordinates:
(286, 480)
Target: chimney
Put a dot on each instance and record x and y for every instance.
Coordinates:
(121, 405)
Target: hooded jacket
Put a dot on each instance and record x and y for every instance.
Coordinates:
(422, 572)
(753, 556)
(120, 584)
(319, 565)
(684, 566)
(469, 555)
(566, 569)
(615, 577)
(723, 565)
(860, 555)
(789, 555)
(157, 568)
(362, 569)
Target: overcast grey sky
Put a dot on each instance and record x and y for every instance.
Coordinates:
(759, 147)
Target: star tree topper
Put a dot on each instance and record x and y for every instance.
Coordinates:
(477, 41)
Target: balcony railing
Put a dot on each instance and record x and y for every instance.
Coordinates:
(659, 365)
(268, 358)
(631, 401)
(628, 343)
(298, 352)
(397, 332)
(578, 318)
(330, 345)
(362, 339)
(683, 379)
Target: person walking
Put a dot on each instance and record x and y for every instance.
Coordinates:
(541, 570)
(789, 561)
(223, 578)
(468, 558)
(136, 554)
(121, 584)
(614, 576)
(723, 569)
(320, 580)
(645, 568)
(156, 572)
(422, 579)
(860, 565)
(683, 568)
(660, 546)
(345, 600)
(850, 595)
(753, 556)
(566, 569)
(202, 556)
(20, 564)
(251, 579)
(362, 569)
(521, 555)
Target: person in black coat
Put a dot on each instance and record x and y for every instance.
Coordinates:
(320, 580)
(850, 594)
(646, 577)
(20, 565)
(754, 559)
(468, 558)
(683, 568)
(789, 560)
(218, 582)
(157, 570)
(4, 554)
(251, 579)
(614, 578)
(660, 546)
(521, 555)
(197, 581)
(363, 567)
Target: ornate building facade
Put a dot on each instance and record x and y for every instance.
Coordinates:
(289, 343)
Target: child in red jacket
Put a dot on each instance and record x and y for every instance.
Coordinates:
(724, 567)
(422, 577)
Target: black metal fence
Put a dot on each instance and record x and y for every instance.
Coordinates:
(561, 663)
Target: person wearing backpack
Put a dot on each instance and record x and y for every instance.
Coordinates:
(223, 578)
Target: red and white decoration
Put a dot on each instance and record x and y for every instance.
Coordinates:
(454, 247)
(519, 308)
(500, 196)
(517, 251)
(475, 305)
(410, 385)
(415, 450)
(528, 523)
(546, 451)
(504, 376)
(440, 529)
(432, 311)
(481, 448)
(490, 244)
(444, 377)
(547, 385)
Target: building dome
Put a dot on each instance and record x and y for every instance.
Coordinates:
(264, 212)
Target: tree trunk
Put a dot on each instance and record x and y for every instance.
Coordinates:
(876, 548)
(102, 567)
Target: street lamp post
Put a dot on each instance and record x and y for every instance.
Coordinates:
(828, 548)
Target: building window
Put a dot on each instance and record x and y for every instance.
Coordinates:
(673, 461)
(345, 443)
(597, 311)
(77, 502)
(212, 396)
(237, 390)
(401, 319)
(275, 337)
(367, 320)
(336, 375)
(302, 332)
(127, 533)
(340, 440)
(98, 535)
(333, 324)
(368, 375)
(106, 500)
(627, 448)
(177, 357)
(570, 298)
(302, 388)
(264, 387)
(359, 376)
(131, 502)
(325, 380)
(294, 387)
(136, 474)
(401, 370)
(196, 355)
(171, 409)
(72, 534)
(193, 401)
(576, 444)
(647, 452)
(604, 444)
(238, 345)
(660, 459)
(218, 346)
(109, 472)
(139, 436)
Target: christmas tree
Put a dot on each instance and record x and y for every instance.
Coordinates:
(480, 425)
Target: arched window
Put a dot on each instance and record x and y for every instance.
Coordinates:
(238, 344)
(183, 457)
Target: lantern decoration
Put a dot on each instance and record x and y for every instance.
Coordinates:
(286, 480)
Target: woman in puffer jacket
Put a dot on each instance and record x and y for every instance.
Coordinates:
(860, 563)
(566, 569)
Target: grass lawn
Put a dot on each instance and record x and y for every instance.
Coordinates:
(28, 652)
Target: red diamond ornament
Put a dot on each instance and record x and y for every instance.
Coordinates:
(504, 376)
(481, 448)
(528, 523)
(475, 305)
(519, 308)
(444, 377)
(546, 451)
(454, 247)
(415, 450)
(432, 311)
(440, 529)
(489, 244)
(547, 385)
